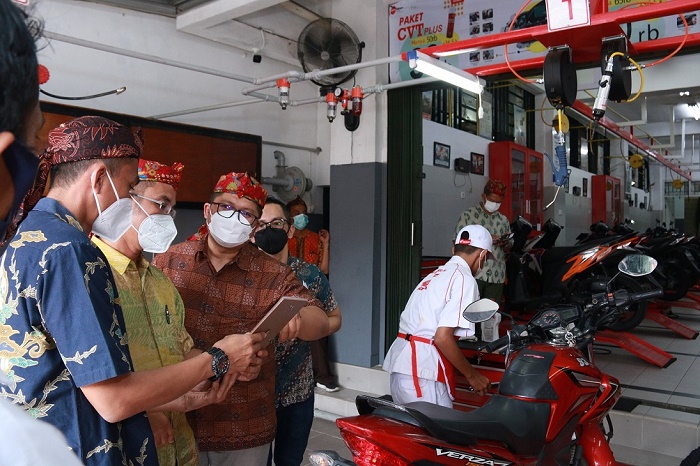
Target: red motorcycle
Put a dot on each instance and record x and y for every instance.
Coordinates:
(550, 408)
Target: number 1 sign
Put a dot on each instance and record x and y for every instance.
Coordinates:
(562, 14)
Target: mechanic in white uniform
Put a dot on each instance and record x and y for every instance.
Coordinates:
(425, 354)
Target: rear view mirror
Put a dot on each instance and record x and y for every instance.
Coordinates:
(637, 265)
(480, 310)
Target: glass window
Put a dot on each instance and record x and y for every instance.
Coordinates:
(583, 154)
(452, 107)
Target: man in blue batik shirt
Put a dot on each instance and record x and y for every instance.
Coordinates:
(62, 343)
(294, 379)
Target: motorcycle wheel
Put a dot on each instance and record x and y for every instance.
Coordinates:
(693, 459)
(634, 314)
(676, 284)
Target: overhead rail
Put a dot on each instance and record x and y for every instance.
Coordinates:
(584, 40)
(587, 112)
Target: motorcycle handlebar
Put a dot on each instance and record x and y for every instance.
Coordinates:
(646, 295)
(494, 345)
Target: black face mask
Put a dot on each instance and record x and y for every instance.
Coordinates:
(22, 164)
(271, 240)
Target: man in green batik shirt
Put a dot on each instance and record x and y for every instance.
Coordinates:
(493, 275)
(153, 310)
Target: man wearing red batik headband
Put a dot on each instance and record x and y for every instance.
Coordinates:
(153, 310)
(228, 285)
(493, 276)
(65, 344)
(423, 358)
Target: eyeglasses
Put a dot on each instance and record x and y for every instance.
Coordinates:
(227, 211)
(278, 223)
(163, 206)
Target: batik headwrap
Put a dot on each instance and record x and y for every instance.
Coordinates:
(240, 184)
(150, 170)
(84, 138)
(496, 187)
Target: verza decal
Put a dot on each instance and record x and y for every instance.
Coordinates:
(473, 459)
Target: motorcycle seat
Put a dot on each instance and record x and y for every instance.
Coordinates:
(520, 425)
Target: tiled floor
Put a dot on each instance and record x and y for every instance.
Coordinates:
(671, 394)
(325, 436)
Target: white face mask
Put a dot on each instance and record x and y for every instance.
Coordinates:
(491, 206)
(157, 231)
(229, 232)
(480, 267)
(112, 222)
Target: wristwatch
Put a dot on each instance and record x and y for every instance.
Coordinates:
(219, 365)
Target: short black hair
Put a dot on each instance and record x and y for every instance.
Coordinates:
(19, 68)
(464, 248)
(285, 210)
(64, 174)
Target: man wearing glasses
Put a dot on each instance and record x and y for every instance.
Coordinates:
(228, 285)
(153, 310)
(295, 377)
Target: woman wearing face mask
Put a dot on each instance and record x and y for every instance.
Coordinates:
(305, 244)
(294, 380)
(493, 276)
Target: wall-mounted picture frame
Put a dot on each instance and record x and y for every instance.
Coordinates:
(585, 187)
(477, 163)
(441, 155)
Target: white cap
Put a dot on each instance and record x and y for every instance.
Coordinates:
(479, 237)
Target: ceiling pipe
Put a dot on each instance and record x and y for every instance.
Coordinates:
(376, 89)
(315, 150)
(208, 108)
(586, 112)
(671, 135)
(261, 83)
(143, 56)
(643, 121)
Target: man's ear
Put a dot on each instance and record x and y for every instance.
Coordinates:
(291, 231)
(98, 177)
(207, 210)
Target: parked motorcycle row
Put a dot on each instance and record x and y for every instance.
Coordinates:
(552, 402)
(549, 402)
(540, 274)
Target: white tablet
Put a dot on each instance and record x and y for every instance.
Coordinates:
(278, 316)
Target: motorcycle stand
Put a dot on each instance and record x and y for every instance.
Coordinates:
(636, 346)
(694, 296)
(658, 312)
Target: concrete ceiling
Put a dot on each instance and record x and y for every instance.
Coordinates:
(270, 28)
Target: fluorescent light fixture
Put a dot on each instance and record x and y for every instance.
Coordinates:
(456, 52)
(694, 110)
(444, 72)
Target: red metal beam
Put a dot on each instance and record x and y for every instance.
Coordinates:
(536, 63)
(602, 25)
(587, 112)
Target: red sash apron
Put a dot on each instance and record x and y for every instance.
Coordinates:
(445, 370)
